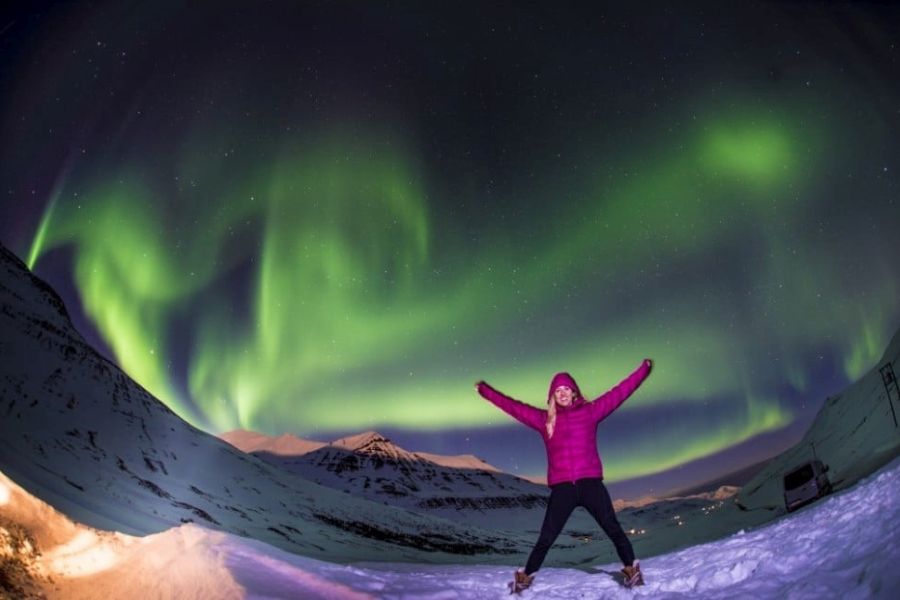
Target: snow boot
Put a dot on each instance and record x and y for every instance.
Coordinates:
(520, 582)
(633, 575)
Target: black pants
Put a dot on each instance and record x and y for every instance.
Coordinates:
(564, 498)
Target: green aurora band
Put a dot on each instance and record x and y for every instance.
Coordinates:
(359, 319)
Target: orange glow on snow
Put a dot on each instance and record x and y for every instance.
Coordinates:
(83, 555)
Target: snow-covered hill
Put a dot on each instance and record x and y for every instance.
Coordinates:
(853, 433)
(283, 445)
(80, 434)
(460, 488)
(368, 442)
(845, 546)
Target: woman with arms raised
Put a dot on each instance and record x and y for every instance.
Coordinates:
(574, 471)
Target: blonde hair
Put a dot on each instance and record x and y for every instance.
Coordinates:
(551, 417)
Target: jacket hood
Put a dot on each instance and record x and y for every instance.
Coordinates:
(568, 381)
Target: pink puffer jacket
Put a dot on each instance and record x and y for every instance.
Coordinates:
(572, 451)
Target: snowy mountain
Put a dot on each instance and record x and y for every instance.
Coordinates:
(78, 433)
(369, 442)
(803, 556)
(853, 433)
(460, 488)
(250, 441)
(735, 479)
(722, 493)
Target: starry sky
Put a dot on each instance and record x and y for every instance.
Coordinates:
(320, 218)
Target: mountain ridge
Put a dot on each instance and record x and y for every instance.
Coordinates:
(367, 442)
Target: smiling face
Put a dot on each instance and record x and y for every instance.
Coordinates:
(563, 395)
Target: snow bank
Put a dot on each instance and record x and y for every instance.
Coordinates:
(78, 562)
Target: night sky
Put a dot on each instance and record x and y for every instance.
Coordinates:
(321, 218)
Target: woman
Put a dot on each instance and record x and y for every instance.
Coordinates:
(574, 471)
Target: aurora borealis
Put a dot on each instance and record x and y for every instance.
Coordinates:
(321, 218)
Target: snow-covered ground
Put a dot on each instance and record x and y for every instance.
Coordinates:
(846, 545)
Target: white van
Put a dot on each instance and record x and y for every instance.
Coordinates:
(805, 483)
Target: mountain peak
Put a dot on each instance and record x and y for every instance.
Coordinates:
(371, 442)
(284, 445)
(361, 440)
